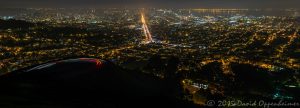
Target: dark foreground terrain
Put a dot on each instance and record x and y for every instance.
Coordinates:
(84, 83)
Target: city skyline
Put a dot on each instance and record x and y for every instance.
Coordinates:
(150, 3)
(194, 56)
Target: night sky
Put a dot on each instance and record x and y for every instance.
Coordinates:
(153, 3)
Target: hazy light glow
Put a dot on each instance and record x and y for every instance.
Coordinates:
(148, 36)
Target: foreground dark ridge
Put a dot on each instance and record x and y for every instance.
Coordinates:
(83, 82)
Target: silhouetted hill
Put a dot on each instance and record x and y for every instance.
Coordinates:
(13, 24)
(83, 83)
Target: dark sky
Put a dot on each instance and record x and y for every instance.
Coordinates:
(153, 3)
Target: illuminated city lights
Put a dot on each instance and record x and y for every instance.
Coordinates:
(205, 53)
(148, 36)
